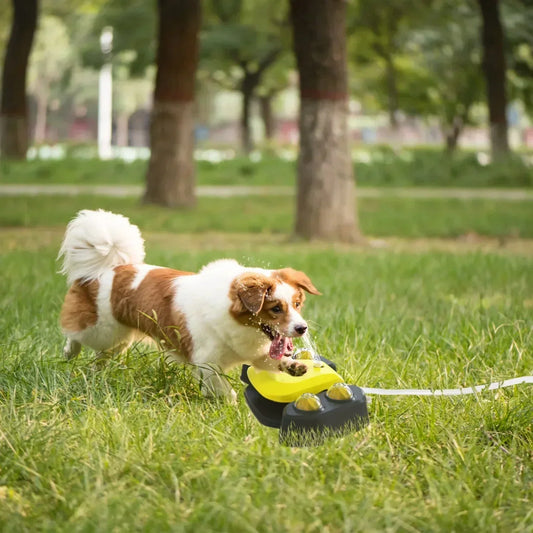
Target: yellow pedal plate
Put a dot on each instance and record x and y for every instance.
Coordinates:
(284, 388)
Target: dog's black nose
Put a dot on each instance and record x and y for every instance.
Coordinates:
(300, 329)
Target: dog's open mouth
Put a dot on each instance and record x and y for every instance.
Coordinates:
(280, 345)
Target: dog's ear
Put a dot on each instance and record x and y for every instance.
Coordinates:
(298, 279)
(249, 291)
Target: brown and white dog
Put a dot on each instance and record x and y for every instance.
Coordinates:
(222, 316)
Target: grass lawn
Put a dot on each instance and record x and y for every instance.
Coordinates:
(133, 447)
(379, 217)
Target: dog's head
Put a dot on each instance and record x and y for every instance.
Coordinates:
(272, 303)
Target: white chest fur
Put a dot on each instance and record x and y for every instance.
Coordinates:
(217, 337)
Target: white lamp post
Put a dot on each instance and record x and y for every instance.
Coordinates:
(105, 96)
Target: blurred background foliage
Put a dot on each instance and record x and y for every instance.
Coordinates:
(415, 79)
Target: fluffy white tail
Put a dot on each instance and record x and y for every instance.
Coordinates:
(96, 241)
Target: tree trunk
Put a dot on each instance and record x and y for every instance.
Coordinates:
(452, 139)
(250, 82)
(494, 69)
(13, 106)
(171, 168)
(452, 131)
(247, 91)
(265, 104)
(326, 188)
(170, 179)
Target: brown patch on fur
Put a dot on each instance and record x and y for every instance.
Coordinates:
(251, 296)
(252, 301)
(298, 299)
(79, 309)
(149, 308)
(248, 292)
(296, 278)
(279, 321)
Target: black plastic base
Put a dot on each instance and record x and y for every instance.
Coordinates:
(269, 413)
(336, 418)
(308, 428)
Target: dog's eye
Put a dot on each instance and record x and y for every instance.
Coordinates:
(297, 305)
(276, 309)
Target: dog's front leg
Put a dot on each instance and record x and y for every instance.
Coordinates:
(285, 364)
(72, 349)
(213, 383)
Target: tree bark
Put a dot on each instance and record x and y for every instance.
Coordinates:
(171, 169)
(13, 106)
(326, 206)
(452, 134)
(250, 82)
(267, 116)
(492, 40)
(170, 179)
(248, 87)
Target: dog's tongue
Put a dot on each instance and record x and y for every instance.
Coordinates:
(280, 346)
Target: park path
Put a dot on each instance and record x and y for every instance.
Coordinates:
(226, 191)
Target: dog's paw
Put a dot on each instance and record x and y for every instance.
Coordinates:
(294, 368)
(72, 349)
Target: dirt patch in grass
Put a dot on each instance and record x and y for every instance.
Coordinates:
(37, 238)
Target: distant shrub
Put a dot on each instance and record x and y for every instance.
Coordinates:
(374, 166)
(258, 170)
(428, 167)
